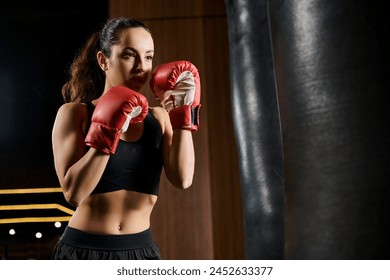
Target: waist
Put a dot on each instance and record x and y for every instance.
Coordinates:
(93, 241)
(114, 212)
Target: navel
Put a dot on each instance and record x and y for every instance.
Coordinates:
(120, 227)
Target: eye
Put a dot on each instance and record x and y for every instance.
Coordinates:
(149, 57)
(128, 55)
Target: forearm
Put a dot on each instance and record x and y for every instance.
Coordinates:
(177, 86)
(82, 177)
(181, 159)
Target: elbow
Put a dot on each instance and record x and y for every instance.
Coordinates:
(181, 177)
(185, 184)
(71, 198)
(182, 183)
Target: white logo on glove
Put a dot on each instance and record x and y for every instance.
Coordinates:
(136, 111)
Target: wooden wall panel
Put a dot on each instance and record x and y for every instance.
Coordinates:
(188, 211)
(205, 221)
(166, 9)
(225, 186)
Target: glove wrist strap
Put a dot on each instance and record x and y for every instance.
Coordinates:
(103, 138)
(185, 117)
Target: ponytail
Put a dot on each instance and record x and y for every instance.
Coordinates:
(86, 79)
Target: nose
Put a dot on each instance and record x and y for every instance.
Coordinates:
(139, 64)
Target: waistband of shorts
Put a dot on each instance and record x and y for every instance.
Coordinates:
(93, 241)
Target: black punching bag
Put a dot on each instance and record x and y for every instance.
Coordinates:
(331, 68)
(257, 128)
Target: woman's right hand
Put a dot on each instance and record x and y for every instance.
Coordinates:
(116, 109)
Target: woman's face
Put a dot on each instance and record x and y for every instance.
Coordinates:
(130, 62)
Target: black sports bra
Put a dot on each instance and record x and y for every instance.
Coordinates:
(137, 165)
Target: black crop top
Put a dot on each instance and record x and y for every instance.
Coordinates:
(135, 166)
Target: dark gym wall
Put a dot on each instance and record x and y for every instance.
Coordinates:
(38, 42)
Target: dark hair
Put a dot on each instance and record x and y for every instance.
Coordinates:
(86, 78)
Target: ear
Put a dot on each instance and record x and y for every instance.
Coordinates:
(101, 58)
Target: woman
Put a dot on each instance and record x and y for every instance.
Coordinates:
(109, 147)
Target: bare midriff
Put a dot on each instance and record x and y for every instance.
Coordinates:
(118, 212)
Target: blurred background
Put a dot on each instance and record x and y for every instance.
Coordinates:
(38, 42)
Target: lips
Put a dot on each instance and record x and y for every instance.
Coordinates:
(136, 83)
(138, 80)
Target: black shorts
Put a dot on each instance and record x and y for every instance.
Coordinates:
(75, 244)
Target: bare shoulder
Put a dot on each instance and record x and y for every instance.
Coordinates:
(72, 109)
(72, 114)
(159, 112)
(162, 116)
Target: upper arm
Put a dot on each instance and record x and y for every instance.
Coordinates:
(178, 153)
(167, 133)
(68, 137)
(167, 138)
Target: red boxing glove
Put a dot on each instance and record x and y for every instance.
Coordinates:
(116, 109)
(177, 86)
